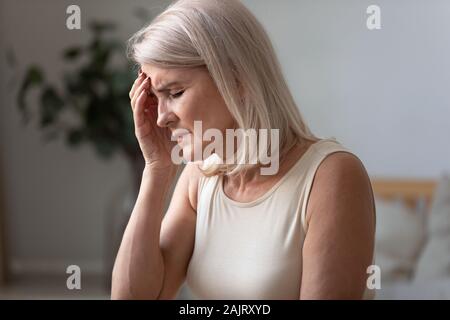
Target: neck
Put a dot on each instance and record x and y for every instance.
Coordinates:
(253, 176)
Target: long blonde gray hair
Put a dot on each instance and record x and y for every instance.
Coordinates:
(227, 39)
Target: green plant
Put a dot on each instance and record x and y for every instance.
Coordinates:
(94, 94)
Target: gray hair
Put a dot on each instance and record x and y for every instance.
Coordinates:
(227, 39)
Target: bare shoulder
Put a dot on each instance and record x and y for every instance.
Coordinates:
(339, 243)
(341, 177)
(339, 165)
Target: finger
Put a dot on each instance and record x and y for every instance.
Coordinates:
(153, 99)
(143, 87)
(139, 112)
(136, 84)
(137, 92)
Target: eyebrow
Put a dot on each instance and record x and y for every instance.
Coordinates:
(164, 87)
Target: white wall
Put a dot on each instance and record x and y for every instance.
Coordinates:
(383, 93)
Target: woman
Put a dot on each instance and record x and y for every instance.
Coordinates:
(305, 232)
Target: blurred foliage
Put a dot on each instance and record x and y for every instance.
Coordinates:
(95, 93)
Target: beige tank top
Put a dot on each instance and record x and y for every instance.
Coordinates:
(253, 250)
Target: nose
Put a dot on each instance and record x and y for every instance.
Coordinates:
(165, 115)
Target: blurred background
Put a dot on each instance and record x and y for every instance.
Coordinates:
(68, 161)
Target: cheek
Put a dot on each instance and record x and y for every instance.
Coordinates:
(210, 109)
(187, 109)
(215, 114)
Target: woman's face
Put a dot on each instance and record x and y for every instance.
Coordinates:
(186, 95)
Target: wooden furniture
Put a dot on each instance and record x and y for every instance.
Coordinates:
(411, 191)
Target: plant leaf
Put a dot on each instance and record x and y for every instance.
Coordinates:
(99, 27)
(51, 105)
(33, 77)
(75, 137)
(72, 53)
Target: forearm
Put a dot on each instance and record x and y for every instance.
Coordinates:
(139, 267)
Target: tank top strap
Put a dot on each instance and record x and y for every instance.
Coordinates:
(205, 189)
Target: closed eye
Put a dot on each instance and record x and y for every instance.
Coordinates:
(177, 95)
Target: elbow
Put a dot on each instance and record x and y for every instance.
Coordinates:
(121, 289)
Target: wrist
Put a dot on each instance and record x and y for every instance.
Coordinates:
(160, 171)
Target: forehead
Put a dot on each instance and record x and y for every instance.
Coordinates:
(161, 76)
